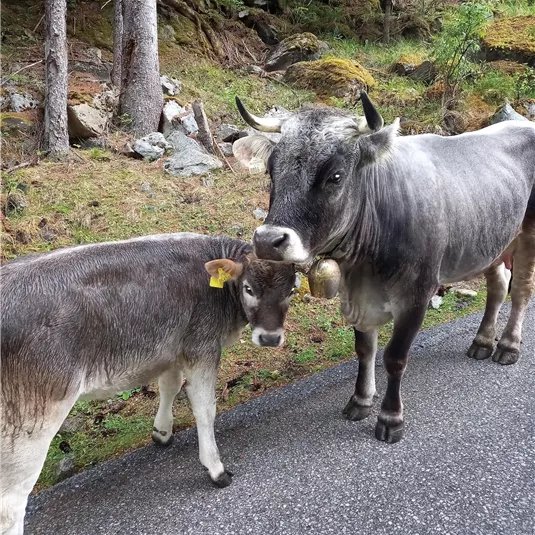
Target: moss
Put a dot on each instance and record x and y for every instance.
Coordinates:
(515, 34)
(414, 58)
(330, 77)
(306, 42)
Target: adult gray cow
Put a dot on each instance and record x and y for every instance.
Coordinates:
(93, 320)
(401, 215)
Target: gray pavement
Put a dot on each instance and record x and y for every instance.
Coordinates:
(465, 466)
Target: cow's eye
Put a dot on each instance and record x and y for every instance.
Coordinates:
(293, 292)
(335, 178)
(248, 290)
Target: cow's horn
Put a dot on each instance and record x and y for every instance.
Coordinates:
(263, 124)
(373, 117)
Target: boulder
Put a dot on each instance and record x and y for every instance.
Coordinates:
(426, 72)
(413, 67)
(294, 49)
(22, 101)
(506, 113)
(65, 468)
(259, 22)
(227, 132)
(17, 123)
(331, 77)
(177, 118)
(152, 147)
(254, 69)
(226, 149)
(170, 86)
(86, 121)
(180, 142)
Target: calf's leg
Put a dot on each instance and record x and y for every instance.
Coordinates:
(508, 349)
(23, 453)
(200, 387)
(361, 402)
(169, 385)
(498, 278)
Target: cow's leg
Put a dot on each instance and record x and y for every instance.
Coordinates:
(407, 323)
(508, 349)
(497, 284)
(361, 402)
(200, 387)
(169, 385)
(23, 453)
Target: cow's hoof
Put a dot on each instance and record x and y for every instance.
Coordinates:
(390, 433)
(506, 357)
(224, 480)
(479, 352)
(162, 438)
(354, 412)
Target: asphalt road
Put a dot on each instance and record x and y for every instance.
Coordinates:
(465, 466)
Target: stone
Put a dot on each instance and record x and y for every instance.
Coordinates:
(436, 301)
(101, 70)
(260, 24)
(145, 187)
(464, 292)
(16, 202)
(506, 113)
(192, 162)
(254, 69)
(65, 468)
(260, 214)
(22, 101)
(170, 86)
(296, 48)
(152, 147)
(298, 280)
(189, 124)
(227, 132)
(85, 121)
(426, 72)
(226, 149)
(106, 101)
(94, 54)
(208, 182)
(182, 143)
(14, 124)
(177, 118)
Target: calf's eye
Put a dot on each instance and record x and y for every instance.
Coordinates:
(335, 178)
(248, 289)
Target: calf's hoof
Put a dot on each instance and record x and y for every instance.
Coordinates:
(162, 438)
(224, 480)
(479, 352)
(355, 412)
(505, 357)
(389, 432)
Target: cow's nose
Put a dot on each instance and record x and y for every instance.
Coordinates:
(268, 243)
(270, 340)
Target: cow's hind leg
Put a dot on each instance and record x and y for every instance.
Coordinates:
(169, 385)
(200, 386)
(498, 278)
(508, 349)
(23, 453)
(360, 404)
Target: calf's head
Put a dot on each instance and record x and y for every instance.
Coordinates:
(314, 172)
(265, 291)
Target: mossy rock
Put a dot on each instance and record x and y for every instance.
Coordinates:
(331, 77)
(294, 49)
(15, 123)
(511, 39)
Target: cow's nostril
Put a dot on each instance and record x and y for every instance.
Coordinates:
(279, 240)
(269, 340)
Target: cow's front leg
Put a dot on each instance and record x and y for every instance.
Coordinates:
(390, 426)
(361, 402)
(200, 387)
(169, 385)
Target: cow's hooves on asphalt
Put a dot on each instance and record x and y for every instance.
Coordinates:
(479, 352)
(505, 357)
(388, 432)
(355, 412)
(159, 440)
(224, 480)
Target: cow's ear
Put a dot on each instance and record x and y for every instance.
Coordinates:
(379, 144)
(255, 146)
(224, 268)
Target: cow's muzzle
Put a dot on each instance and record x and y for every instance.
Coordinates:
(279, 243)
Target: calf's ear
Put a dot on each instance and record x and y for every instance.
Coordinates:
(231, 269)
(256, 146)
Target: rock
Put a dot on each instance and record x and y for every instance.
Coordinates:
(298, 280)
(294, 49)
(463, 292)
(65, 468)
(94, 54)
(189, 124)
(436, 301)
(71, 425)
(226, 149)
(145, 187)
(260, 24)
(182, 143)
(152, 147)
(16, 202)
(22, 101)
(208, 182)
(17, 123)
(530, 108)
(177, 118)
(101, 70)
(426, 72)
(227, 132)
(331, 77)
(47, 235)
(170, 86)
(254, 69)
(188, 163)
(260, 214)
(506, 113)
(85, 121)
(107, 101)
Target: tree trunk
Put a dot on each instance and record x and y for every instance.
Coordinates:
(141, 98)
(117, 44)
(56, 131)
(386, 21)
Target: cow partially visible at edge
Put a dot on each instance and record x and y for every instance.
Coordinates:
(401, 215)
(93, 320)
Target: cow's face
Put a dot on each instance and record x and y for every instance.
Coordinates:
(266, 289)
(313, 179)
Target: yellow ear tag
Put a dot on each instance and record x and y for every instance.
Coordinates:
(223, 277)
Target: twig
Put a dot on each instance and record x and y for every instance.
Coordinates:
(20, 70)
(19, 166)
(248, 51)
(105, 5)
(224, 157)
(39, 23)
